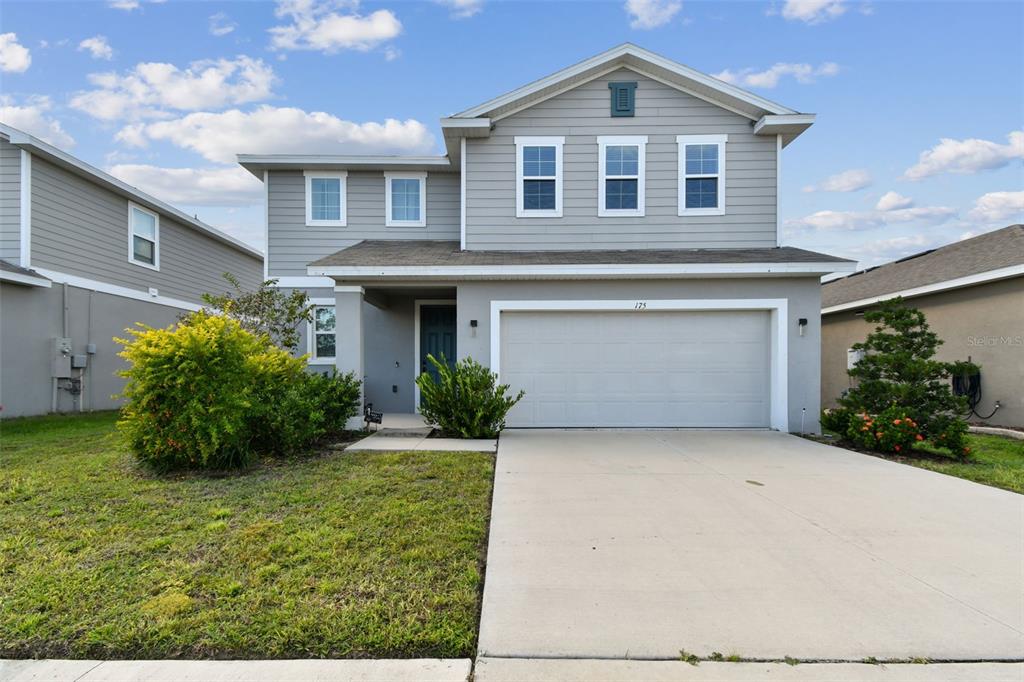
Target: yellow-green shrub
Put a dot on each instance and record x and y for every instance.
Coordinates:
(194, 390)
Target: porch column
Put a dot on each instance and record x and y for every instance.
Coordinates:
(348, 339)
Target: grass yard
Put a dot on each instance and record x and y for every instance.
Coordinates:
(337, 555)
(995, 460)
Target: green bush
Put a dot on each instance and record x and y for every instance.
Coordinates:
(465, 401)
(889, 431)
(209, 394)
(836, 420)
(951, 434)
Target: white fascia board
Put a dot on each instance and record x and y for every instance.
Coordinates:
(258, 163)
(590, 271)
(116, 290)
(467, 127)
(776, 124)
(302, 282)
(617, 53)
(20, 278)
(937, 287)
(107, 181)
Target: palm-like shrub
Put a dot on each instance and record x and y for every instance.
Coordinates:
(465, 401)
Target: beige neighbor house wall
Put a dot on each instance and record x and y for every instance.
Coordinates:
(984, 322)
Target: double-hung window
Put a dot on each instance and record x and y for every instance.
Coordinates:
(701, 174)
(405, 199)
(143, 237)
(325, 198)
(621, 163)
(539, 177)
(321, 335)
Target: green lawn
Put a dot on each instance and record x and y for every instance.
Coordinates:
(995, 461)
(337, 555)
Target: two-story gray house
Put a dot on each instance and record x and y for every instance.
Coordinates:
(83, 256)
(605, 238)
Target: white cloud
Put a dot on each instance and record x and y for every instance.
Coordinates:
(885, 250)
(317, 26)
(269, 130)
(863, 220)
(813, 11)
(14, 57)
(847, 181)
(647, 14)
(998, 206)
(769, 78)
(232, 186)
(463, 9)
(31, 117)
(98, 47)
(127, 5)
(967, 156)
(891, 201)
(152, 88)
(221, 25)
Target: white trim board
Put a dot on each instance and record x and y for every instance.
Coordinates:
(957, 283)
(778, 307)
(590, 271)
(116, 290)
(19, 278)
(25, 199)
(303, 282)
(417, 304)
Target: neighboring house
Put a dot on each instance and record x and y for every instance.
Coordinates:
(82, 257)
(972, 293)
(605, 238)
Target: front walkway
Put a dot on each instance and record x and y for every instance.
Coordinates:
(641, 544)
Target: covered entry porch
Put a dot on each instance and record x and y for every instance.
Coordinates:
(383, 333)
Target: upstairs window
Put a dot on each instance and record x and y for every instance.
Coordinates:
(325, 198)
(405, 200)
(144, 237)
(539, 177)
(322, 341)
(621, 162)
(701, 174)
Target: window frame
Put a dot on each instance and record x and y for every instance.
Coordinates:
(312, 333)
(391, 222)
(605, 141)
(342, 177)
(545, 141)
(155, 265)
(683, 141)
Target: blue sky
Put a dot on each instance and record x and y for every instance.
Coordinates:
(919, 139)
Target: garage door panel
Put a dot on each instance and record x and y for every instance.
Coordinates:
(652, 368)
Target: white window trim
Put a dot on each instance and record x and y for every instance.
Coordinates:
(132, 207)
(638, 141)
(557, 143)
(388, 220)
(780, 326)
(311, 333)
(329, 175)
(682, 141)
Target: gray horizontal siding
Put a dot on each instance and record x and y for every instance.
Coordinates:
(292, 245)
(81, 229)
(581, 115)
(10, 201)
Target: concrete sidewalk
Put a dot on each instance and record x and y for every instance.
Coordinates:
(576, 670)
(427, 669)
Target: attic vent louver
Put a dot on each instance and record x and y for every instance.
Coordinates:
(623, 98)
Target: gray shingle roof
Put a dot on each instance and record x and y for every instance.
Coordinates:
(7, 266)
(403, 252)
(991, 251)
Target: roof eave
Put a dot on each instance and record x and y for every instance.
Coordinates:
(789, 126)
(257, 163)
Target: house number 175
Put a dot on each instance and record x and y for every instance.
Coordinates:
(640, 305)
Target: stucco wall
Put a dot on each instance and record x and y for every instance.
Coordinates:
(32, 316)
(803, 294)
(984, 323)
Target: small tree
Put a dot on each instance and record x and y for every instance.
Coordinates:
(267, 310)
(898, 370)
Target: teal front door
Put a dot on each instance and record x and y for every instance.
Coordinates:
(437, 335)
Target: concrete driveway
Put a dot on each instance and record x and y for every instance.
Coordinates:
(636, 544)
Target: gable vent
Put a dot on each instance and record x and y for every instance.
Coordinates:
(623, 98)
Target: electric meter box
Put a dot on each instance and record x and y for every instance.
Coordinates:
(60, 358)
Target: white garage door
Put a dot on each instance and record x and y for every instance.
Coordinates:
(632, 369)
